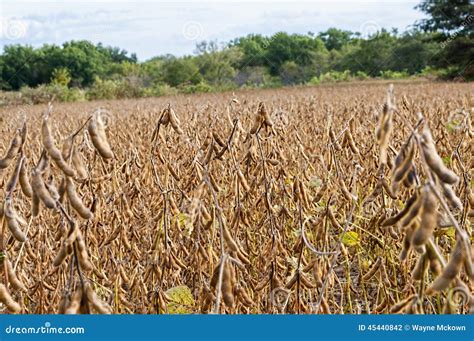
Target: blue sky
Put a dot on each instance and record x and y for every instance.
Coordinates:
(152, 28)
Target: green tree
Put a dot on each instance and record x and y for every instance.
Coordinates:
(291, 73)
(453, 20)
(335, 38)
(178, 71)
(218, 67)
(116, 54)
(371, 55)
(253, 49)
(413, 52)
(84, 61)
(61, 77)
(19, 67)
(301, 49)
(447, 16)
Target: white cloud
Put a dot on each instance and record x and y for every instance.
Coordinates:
(155, 27)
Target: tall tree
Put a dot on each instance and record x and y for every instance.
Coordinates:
(448, 16)
(335, 38)
(453, 20)
(19, 67)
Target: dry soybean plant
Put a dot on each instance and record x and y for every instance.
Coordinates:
(334, 200)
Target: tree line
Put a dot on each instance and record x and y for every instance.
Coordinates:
(442, 45)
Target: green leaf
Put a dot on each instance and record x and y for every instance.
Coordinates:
(350, 238)
(451, 233)
(447, 160)
(185, 223)
(182, 220)
(180, 301)
(322, 203)
(453, 125)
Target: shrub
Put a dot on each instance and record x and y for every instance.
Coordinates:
(61, 77)
(10, 98)
(291, 73)
(332, 77)
(129, 87)
(273, 82)
(102, 89)
(361, 75)
(46, 93)
(251, 76)
(389, 74)
(194, 88)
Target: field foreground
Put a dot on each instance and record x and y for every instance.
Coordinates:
(338, 199)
